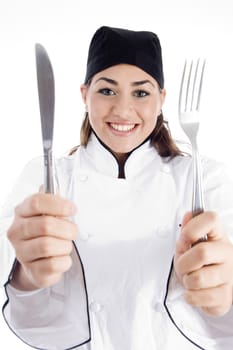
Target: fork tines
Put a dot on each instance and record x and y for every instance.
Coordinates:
(192, 74)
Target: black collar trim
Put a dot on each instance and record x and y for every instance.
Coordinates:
(121, 166)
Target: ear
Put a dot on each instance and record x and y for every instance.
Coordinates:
(162, 96)
(83, 89)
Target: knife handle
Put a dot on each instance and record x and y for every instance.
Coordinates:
(48, 172)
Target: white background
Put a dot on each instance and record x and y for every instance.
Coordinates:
(197, 28)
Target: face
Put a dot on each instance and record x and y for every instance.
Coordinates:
(123, 103)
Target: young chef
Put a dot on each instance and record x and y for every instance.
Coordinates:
(104, 264)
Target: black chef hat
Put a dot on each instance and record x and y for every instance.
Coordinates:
(110, 46)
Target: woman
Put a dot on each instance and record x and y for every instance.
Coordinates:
(121, 274)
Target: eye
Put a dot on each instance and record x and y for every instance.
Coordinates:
(141, 93)
(106, 92)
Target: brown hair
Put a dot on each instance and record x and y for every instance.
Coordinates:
(161, 137)
(162, 140)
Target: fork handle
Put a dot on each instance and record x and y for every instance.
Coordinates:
(48, 171)
(197, 201)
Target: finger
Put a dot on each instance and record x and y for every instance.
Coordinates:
(216, 298)
(207, 277)
(206, 253)
(200, 225)
(45, 204)
(47, 272)
(42, 247)
(42, 189)
(196, 228)
(39, 226)
(220, 310)
(183, 243)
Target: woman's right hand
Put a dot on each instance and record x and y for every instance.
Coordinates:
(42, 236)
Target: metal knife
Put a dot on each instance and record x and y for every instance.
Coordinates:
(46, 92)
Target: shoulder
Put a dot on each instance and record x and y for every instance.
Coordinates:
(208, 164)
(213, 170)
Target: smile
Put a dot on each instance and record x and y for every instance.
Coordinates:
(122, 127)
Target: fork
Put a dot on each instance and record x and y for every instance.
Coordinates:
(189, 117)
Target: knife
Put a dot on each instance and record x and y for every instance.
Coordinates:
(45, 83)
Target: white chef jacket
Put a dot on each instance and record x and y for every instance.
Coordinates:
(121, 292)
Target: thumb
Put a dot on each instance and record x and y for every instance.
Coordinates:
(41, 189)
(183, 244)
(187, 217)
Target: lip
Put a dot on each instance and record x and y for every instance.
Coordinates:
(122, 133)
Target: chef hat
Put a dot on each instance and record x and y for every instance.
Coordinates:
(110, 46)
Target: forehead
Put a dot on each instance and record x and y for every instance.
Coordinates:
(124, 73)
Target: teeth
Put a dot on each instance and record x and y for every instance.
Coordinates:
(122, 127)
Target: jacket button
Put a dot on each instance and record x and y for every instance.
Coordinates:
(83, 177)
(162, 232)
(84, 236)
(95, 307)
(166, 169)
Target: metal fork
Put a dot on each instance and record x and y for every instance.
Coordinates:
(189, 117)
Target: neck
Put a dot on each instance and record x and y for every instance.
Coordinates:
(121, 157)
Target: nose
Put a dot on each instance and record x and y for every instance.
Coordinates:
(123, 107)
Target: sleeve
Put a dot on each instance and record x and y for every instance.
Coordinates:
(203, 331)
(50, 318)
(27, 184)
(7, 254)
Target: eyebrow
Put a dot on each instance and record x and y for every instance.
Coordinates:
(135, 83)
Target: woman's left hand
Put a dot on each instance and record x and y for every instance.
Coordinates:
(205, 269)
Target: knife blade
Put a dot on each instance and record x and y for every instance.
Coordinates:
(46, 94)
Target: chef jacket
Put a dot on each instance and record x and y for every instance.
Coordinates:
(121, 292)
